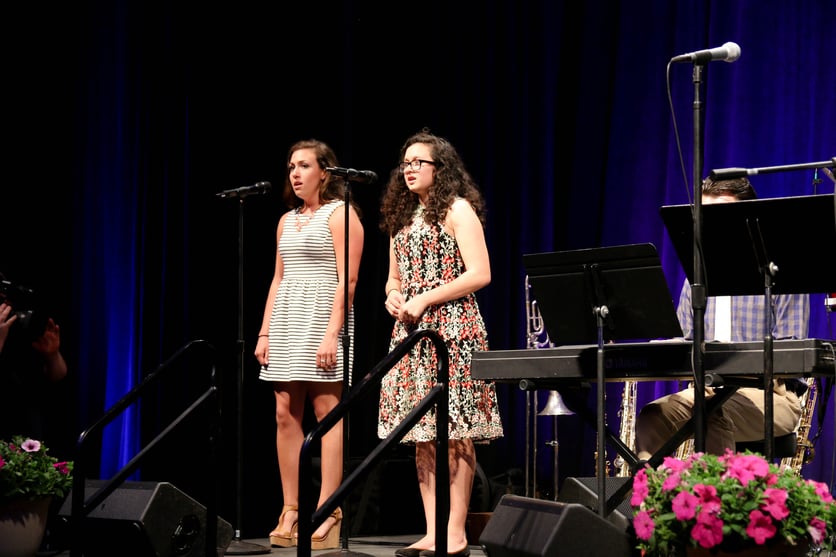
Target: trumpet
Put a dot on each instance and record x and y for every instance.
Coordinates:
(536, 335)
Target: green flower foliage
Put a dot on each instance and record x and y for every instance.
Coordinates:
(27, 471)
(728, 502)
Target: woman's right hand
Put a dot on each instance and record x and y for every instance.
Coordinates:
(393, 303)
(261, 350)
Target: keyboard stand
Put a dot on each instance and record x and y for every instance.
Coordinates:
(607, 294)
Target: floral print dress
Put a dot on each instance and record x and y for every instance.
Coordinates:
(428, 257)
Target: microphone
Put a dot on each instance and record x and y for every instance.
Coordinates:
(729, 52)
(256, 189)
(359, 176)
(730, 173)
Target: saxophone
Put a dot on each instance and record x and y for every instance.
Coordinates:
(804, 451)
(627, 431)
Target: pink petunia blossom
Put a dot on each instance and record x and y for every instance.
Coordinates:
(684, 505)
(760, 528)
(746, 468)
(706, 493)
(708, 531)
(817, 530)
(671, 482)
(776, 503)
(640, 490)
(674, 464)
(821, 490)
(644, 525)
(31, 446)
(62, 467)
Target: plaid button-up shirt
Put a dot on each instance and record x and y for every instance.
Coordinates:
(790, 318)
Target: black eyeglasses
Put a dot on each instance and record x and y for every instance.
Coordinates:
(414, 165)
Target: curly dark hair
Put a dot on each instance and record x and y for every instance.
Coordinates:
(450, 180)
(330, 189)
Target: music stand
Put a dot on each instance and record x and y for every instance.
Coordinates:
(747, 249)
(599, 295)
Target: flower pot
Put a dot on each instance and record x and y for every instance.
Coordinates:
(22, 526)
(772, 550)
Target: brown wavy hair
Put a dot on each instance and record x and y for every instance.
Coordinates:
(331, 188)
(450, 180)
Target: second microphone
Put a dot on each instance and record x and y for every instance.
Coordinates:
(353, 175)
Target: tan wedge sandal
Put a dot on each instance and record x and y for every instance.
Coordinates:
(331, 540)
(285, 538)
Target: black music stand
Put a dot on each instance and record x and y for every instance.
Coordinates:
(750, 246)
(599, 295)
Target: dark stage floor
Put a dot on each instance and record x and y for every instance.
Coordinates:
(372, 546)
(377, 546)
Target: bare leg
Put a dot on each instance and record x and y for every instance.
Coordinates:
(462, 471)
(325, 397)
(290, 407)
(425, 467)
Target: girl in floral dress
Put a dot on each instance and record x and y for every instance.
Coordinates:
(438, 258)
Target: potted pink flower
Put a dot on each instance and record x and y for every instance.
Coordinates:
(727, 504)
(28, 471)
(29, 479)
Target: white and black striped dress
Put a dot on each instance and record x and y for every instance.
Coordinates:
(304, 300)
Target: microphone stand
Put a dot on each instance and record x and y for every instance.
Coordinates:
(345, 340)
(698, 291)
(768, 270)
(237, 546)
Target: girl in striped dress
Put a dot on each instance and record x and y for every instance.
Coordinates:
(299, 341)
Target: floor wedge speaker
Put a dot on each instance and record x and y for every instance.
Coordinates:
(146, 519)
(525, 527)
(585, 492)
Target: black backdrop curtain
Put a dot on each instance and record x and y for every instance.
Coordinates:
(125, 118)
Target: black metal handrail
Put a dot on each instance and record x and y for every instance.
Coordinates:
(309, 519)
(81, 507)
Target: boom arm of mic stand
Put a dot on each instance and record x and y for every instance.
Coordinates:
(729, 173)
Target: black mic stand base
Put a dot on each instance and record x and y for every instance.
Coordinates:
(238, 547)
(345, 552)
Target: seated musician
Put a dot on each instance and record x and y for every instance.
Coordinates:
(734, 319)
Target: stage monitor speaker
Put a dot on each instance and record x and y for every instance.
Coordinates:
(585, 492)
(146, 519)
(525, 527)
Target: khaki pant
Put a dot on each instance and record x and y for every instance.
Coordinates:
(740, 418)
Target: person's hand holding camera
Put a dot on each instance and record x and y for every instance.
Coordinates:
(7, 319)
(48, 345)
(50, 341)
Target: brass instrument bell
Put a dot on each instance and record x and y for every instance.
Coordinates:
(555, 406)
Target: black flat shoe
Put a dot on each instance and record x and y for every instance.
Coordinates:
(430, 553)
(408, 552)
